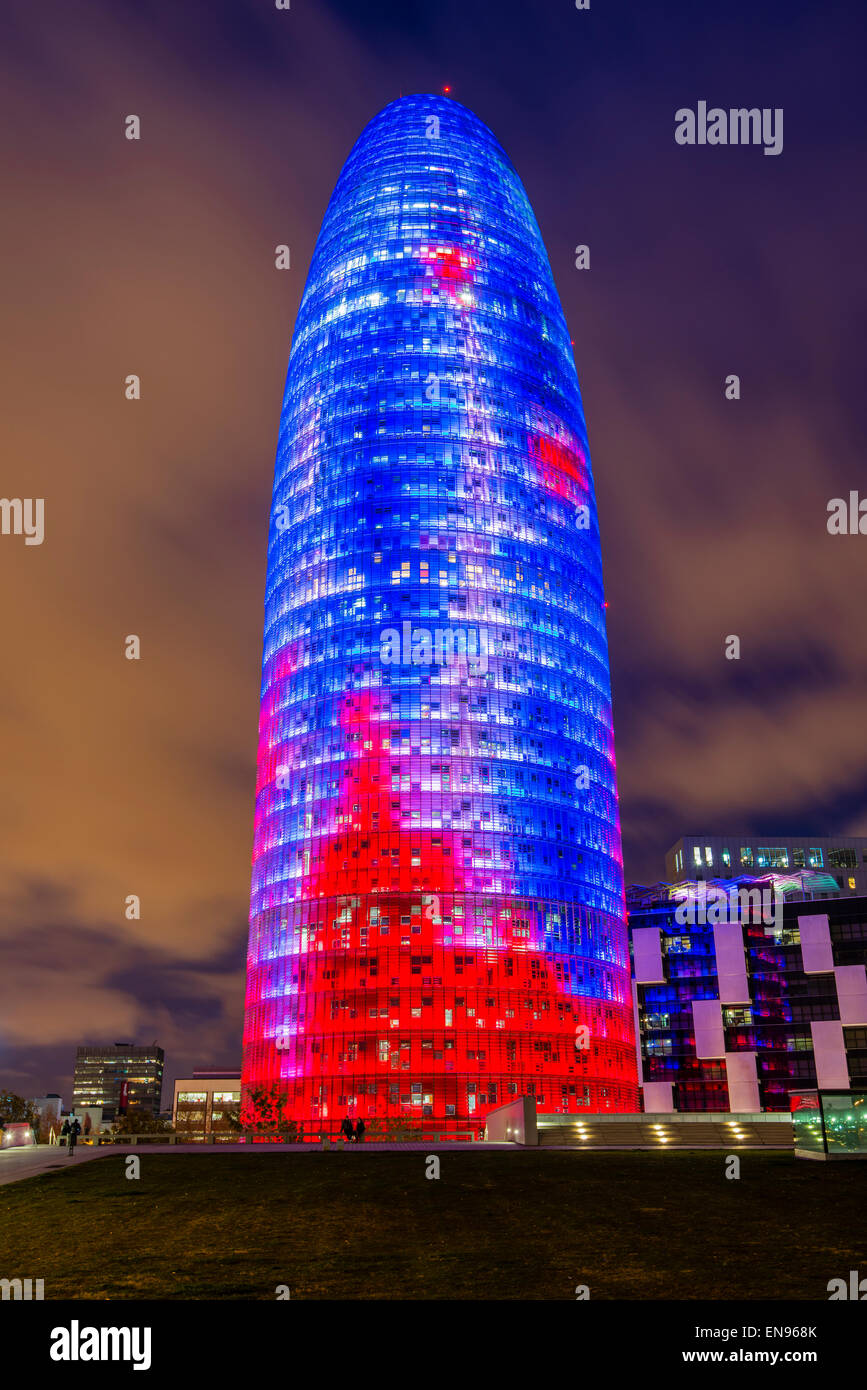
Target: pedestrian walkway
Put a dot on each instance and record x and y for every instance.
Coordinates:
(44, 1158)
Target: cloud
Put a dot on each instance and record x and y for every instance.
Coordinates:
(156, 258)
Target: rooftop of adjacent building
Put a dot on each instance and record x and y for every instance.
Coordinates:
(750, 837)
(151, 1051)
(705, 855)
(804, 885)
(737, 840)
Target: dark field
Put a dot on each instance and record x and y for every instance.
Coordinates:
(364, 1225)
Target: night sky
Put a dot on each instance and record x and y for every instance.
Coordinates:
(156, 257)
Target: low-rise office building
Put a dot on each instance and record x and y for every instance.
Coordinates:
(203, 1104)
(745, 991)
(842, 857)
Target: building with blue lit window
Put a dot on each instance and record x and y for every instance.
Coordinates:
(747, 990)
(437, 916)
(843, 857)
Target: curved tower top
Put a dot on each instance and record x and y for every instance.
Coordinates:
(437, 917)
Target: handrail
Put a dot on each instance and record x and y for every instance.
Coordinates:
(266, 1136)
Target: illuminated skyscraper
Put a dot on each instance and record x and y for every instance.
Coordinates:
(437, 902)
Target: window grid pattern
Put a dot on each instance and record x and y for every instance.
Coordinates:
(437, 896)
(784, 1001)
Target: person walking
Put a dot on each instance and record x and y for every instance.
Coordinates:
(359, 1132)
(346, 1130)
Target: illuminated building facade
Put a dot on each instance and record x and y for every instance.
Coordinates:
(437, 916)
(842, 857)
(204, 1104)
(747, 990)
(110, 1076)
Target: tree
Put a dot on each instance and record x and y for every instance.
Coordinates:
(393, 1129)
(264, 1108)
(139, 1120)
(15, 1108)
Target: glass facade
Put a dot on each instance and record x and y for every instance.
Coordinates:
(100, 1073)
(204, 1115)
(437, 916)
(784, 999)
(807, 1129)
(700, 855)
(830, 1124)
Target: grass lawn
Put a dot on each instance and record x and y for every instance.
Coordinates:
(361, 1225)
